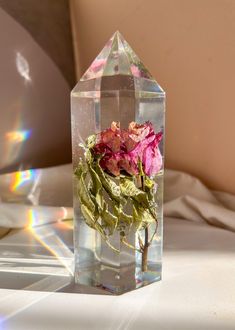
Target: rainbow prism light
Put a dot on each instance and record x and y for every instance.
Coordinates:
(118, 114)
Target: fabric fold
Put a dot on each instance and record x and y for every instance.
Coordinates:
(186, 197)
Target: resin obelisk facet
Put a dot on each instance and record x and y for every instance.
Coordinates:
(118, 155)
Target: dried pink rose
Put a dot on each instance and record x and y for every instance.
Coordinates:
(110, 162)
(151, 157)
(139, 132)
(129, 164)
(123, 149)
(147, 150)
(111, 137)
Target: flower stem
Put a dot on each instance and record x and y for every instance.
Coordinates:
(145, 251)
(146, 240)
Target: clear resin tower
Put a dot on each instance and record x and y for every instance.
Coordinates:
(118, 113)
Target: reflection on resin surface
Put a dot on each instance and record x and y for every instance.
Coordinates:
(22, 66)
(15, 140)
(21, 186)
(18, 136)
(21, 178)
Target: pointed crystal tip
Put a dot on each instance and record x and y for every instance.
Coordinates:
(117, 57)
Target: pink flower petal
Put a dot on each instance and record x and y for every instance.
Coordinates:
(123, 149)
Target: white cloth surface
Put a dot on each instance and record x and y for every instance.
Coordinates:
(186, 197)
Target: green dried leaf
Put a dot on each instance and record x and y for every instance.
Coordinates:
(126, 218)
(91, 141)
(82, 189)
(149, 183)
(80, 169)
(93, 223)
(122, 216)
(129, 189)
(96, 183)
(96, 188)
(88, 156)
(88, 216)
(141, 216)
(99, 200)
(109, 185)
(109, 219)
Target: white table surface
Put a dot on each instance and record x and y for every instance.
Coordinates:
(197, 291)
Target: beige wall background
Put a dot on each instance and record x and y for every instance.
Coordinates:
(189, 46)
